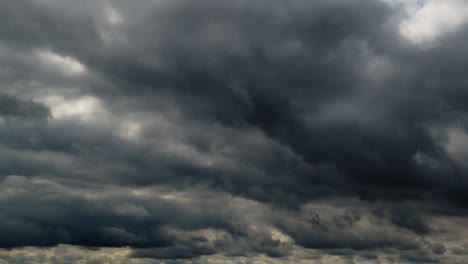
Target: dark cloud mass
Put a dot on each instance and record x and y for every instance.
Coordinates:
(233, 131)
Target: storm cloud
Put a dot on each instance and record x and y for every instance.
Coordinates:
(239, 131)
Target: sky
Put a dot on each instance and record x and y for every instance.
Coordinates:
(233, 131)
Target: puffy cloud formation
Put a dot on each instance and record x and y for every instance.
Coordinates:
(328, 131)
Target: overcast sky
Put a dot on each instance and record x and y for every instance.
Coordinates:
(233, 131)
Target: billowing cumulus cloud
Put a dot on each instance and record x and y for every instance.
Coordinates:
(233, 131)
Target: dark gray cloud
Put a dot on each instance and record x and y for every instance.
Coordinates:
(12, 108)
(235, 129)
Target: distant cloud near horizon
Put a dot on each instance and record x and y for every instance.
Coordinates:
(266, 131)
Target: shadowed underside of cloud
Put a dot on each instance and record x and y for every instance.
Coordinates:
(233, 131)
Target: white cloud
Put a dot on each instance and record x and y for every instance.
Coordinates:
(85, 108)
(434, 19)
(129, 129)
(60, 63)
(113, 17)
(457, 145)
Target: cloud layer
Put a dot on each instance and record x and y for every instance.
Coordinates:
(236, 131)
